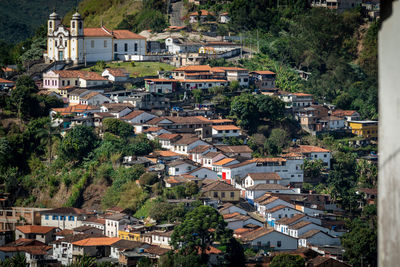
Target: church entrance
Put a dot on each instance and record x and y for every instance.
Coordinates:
(60, 55)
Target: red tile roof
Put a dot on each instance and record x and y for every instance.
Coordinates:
(224, 161)
(308, 149)
(263, 72)
(96, 32)
(342, 113)
(264, 176)
(73, 109)
(5, 81)
(34, 229)
(117, 72)
(125, 34)
(225, 127)
(202, 12)
(132, 115)
(196, 68)
(98, 241)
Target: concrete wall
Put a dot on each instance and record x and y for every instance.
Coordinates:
(389, 145)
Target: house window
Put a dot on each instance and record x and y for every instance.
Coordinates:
(76, 82)
(80, 24)
(65, 43)
(92, 43)
(46, 217)
(136, 47)
(50, 24)
(177, 169)
(105, 43)
(73, 24)
(55, 217)
(215, 194)
(115, 47)
(232, 194)
(71, 218)
(325, 155)
(56, 43)
(126, 47)
(223, 194)
(63, 83)
(279, 244)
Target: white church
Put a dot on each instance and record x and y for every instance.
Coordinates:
(78, 44)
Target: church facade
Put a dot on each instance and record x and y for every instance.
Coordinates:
(78, 44)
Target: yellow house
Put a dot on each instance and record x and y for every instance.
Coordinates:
(132, 236)
(366, 129)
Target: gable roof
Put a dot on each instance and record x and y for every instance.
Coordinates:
(300, 225)
(268, 187)
(218, 186)
(167, 136)
(96, 241)
(66, 211)
(125, 34)
(132, 115)
(211, 154)
(276, 208)
(308, 149)
(343, 113)
(263, 72)
(311, 233)
(90, 95)
(225, 127)
(289, 221)
(86, 75)
(96, 32)
(34, 229)
(127, 244)
(223, 161)
(200, 149)
(186, 140)
(252, 235)
(196, 68)
(264, 176)
(234, 149)
(117, 72)
(5, 81)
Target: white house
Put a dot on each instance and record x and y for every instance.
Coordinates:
(166, 140)
(348, 115)
(242, 151)
(138, 117)
(63, 218)
(267, 202)
(164, 86)
(203, 173)
(115, 75)
(279, 212)
(333, 123)
(221, 131)
(186, 143)
(314, 153)
(196, 154)
(218, 165)
(264, 80)
(118, 110)
(74, 97)
(256, 191)
(113, 223)
(289, 169)
(261, 178)
(203, 83)
(209, 159)
(94, 99)
(78, 44)
(237, 220)
(55, 80)
(161, 238)
(268, 237)
(235, 74)
(302, 227)
(283, 224)
(229, 208)
(318, 238)
(296, 100)
(179, 167)
(224, 18)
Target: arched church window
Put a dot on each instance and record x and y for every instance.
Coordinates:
(80, 24)
(73, 24)
(50, 24)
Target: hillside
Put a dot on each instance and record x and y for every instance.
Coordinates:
(111, 12)
(14, 23)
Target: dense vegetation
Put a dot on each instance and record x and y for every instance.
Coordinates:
(14, 23)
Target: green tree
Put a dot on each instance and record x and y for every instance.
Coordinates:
(200, 229)
(312, 169)
(360, 243)
(234, 86)
(118, 127)
(191, 189)
(148, 178)
(276, 142)
(197, 95)
(78, 143)
(287, 260)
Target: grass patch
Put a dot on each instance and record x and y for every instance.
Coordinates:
(138, 69)
(144, 209)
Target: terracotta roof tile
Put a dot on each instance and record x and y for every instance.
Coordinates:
(6, 81)
(219, 186)
(290, 221)
(117, 72)
(308, 149)
(343, 113)
(276, 208)
(125, 34)
(223, 161)
(234, 149)
(264, 176)
(96, 32)
(132, 114)
(225, 127)
(96, 241)
(66, 210)
(263, 72)
(162, 153)
(34, 229)
(252, 235)
(194, 68)
(267, 187)
(300, 225)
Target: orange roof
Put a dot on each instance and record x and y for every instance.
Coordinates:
(86, 75)
(194, 68)
(168, 153)
(152, 129)
(132, 115)
(34, 229)
(301, 94)
(263, 72)
(96, 241)
(204, 81)
(96, 32)
(161, 80)
(5, 81)
(202, 12)
(308, 149)
(117, 72)
(167, 136)
(224, 161)
(210, 250)
(341, 112)
(221, 120)
(7, 69)
(230, 215)
(125, 34)
(228, 68)
(73, 109)
(225, 127)
(241, 231)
